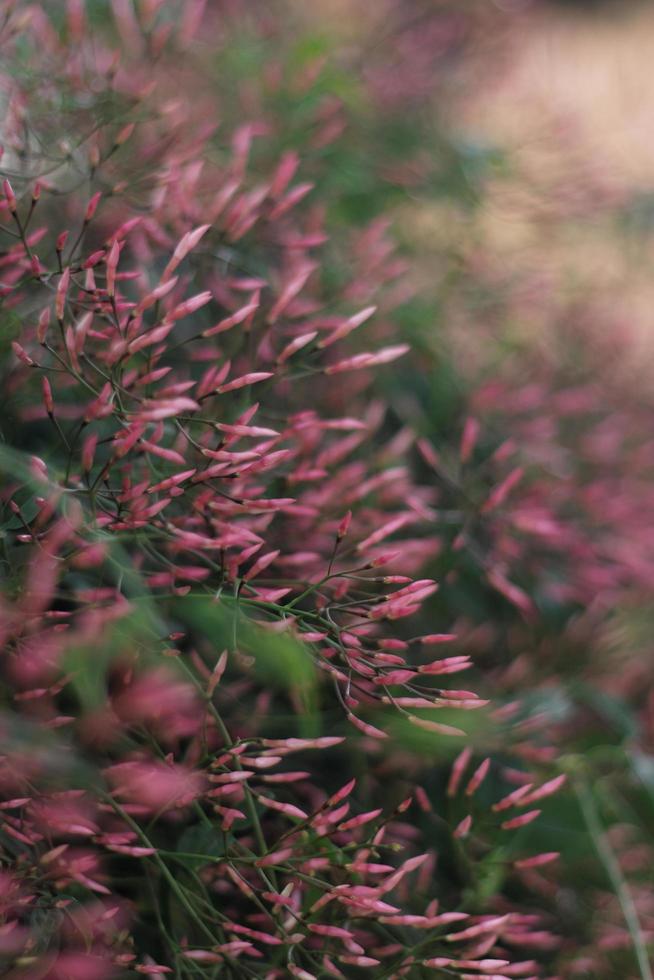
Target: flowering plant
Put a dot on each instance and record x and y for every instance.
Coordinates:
(226, 747)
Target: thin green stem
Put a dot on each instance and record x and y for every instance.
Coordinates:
(614, 873)
(165, 870)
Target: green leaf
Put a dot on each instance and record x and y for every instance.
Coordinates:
(279, 660)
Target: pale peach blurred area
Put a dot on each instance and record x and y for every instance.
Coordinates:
(574, 113)
(589, 69)
(564, 92)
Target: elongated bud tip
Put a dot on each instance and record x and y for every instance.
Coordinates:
(42, 328)
(92, 207)
(61, 241)
(469, 438)
(21, 353)
(9, 195)
(88, 453)
(36, 191)
(124, 134)
(344, 526)
(93, 259)
(47, 396)
(60, 295)
(383, 559)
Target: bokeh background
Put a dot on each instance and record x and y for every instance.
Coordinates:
(485, 170)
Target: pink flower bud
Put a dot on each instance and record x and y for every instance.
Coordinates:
(497, 496)
(217, 673)
(202, 956)
(432, 638)
(92, 207)
(341, 793)
(93, 259)
(244, 381)
(491, 924)
(463, 829)
(124, 134)
(186, 244)
(293, 197)
(21, 353)
(360, 820)
(344, 526)
(469, 438)
(299, 973)
(252, 431)
(112, 264)
(10, 197)
(288, 809)
(275, 857)
(384, 559)
(477, 778)
(428, 453)
(47, 396)
(262, 937)
(434, 726)
(234, 320)
(61, 293)
(521, 821)
(348, 326)
(158, 293)
(538, 860)
(513, 798)
(190, 305)
(284, 173)
(365, 728)
(449, 665)
(296, 345)
(260, 564)
(42, 327)
(38, 468)
(541, 792)
(368, 359)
